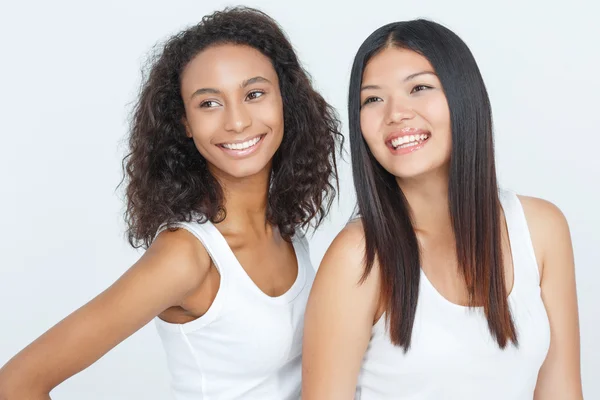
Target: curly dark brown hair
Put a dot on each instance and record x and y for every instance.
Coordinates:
(168, 180)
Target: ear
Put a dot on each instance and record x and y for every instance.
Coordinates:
(188, 131)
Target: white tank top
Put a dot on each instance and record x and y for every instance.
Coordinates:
(453, 355)
(248, 345)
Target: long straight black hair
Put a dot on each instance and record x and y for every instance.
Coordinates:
(474, 205)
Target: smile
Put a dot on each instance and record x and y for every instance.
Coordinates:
(407, 141)
(242, 148)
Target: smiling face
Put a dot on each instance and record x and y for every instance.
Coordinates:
(404, 116)
(233, 109)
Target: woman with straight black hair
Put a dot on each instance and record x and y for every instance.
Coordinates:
(445, 286)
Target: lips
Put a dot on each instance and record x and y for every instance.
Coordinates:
(407, 140)
(242, 148)
(242, 144)
(406, 135)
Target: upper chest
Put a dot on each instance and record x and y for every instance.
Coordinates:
(272, 265)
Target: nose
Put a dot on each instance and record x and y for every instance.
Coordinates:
(237, 118)
(398, 110)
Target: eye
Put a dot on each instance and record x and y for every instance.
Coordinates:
(420, 88)
(255, 94)
(209, 104)
(371, 99)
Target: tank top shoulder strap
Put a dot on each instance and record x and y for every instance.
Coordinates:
(523, 255)
(212, 240)
(302, 249)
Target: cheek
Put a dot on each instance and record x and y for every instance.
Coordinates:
(202, 124)
(439, 114)
(203, 147)
(203, 131)
(273, 115)
(202, 139)
(369, 125)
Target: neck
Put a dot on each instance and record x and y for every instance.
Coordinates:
(427, 198)
(245, 201)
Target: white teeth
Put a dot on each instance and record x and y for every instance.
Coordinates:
(409, 140)
(242, 146)
(408, 145)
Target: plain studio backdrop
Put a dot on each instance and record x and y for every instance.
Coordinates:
(70, 72)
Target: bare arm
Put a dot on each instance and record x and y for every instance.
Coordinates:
(560, 375)
(339, 318)
(173, 266)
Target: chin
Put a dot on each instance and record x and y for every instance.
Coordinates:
(248, 169)
(417, 170)
(408, 175)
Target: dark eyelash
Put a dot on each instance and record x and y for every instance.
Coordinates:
(204, 104)
(421, 86)
(254, 92)
(370, 100)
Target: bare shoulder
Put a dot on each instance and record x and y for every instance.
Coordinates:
(347, 250)
(343, 263)
(351, 237)
(542, 211)
(179, 256)
(548, 227)
(544, 216)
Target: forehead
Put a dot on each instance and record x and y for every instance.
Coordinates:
(395, 62)
(224, 65)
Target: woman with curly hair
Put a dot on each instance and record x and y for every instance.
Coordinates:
(232, 154)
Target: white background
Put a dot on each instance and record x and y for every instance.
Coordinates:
(69, 72)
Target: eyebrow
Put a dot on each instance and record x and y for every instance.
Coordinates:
(408, 78)
(244, 84)
(204, 91)
(256, 79)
